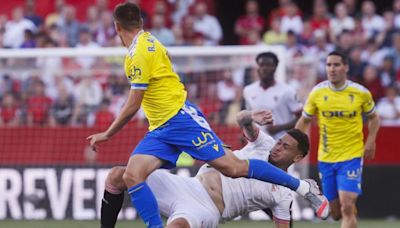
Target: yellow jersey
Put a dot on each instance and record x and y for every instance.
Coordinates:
(339, 113)
(148, 67)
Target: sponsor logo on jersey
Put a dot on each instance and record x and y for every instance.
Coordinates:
(205, 139)
(340, 114)
(136, 73)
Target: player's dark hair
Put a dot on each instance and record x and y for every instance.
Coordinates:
(268, 55)
(303, 144)
(345, 60)
(128, 16)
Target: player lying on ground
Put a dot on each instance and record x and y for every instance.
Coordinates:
(210, 197)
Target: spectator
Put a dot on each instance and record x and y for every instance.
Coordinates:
(63, 107)
(394, 51)
(70, 25)
(274, 35)
(388, 107)
(291, 21)
(384, 38)
(31, 15)
(38, 105)
(371, 22)
(320, 17)
(88, 94)
(14, 33)
(104, 117)
(227, 92)
(55, 17)
(181, 9)
(373, 55)
(356, 65)
(340, 22)
(85, 41)
(92, 20)
(105, 31)
(207, 24)
(387, 72)
(319, 51)
(396, 11)
(373, 83)
(280, 11)
(306, 36)
(9, 111)
(162, 33)
(190, 36)
(29, 39)
(351, 6)
(251, 21)
(344, 43)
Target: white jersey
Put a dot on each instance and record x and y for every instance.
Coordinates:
(280, 98)
(242, 195)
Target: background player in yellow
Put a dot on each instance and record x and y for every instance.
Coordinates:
(176, 125)
(339, 104)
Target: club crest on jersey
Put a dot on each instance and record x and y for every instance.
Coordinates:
(325, 98)
(351, 97)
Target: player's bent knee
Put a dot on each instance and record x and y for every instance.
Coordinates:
(178, 223)
(347, 209)
(131, 178)
(114, 177)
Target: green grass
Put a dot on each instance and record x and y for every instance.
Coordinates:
(138, 224)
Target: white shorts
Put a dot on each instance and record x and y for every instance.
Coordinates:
(183, 197)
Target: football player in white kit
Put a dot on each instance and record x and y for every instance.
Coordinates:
(267, 93)
(211, 198)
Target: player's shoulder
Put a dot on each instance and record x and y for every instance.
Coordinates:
(252, 85)
(357, 87)
(324, 85)
(251, 88)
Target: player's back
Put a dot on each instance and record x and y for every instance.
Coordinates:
(148, 67)
(339, 113)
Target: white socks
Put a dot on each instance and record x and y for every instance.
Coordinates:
(303, 188)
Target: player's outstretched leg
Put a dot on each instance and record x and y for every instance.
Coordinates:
(317, 200)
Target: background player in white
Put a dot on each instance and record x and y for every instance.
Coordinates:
(282, 100)
(210, 197)
(267, 93)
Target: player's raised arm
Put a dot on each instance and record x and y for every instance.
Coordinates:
(129, 109)
(246, 118)
(303, 124)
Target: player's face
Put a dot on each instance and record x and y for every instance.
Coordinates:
(266, 68)
(285, 152)
(336, 70)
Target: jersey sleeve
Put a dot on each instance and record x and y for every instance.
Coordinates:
(281, 211)
(310, 107)
(246, 98)
(368, 105)
(139, 71)
(258, 149)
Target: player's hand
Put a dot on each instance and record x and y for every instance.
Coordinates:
(262, 117)
(369, 149)
(97, 138)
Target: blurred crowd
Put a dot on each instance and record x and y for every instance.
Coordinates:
(370, 39)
